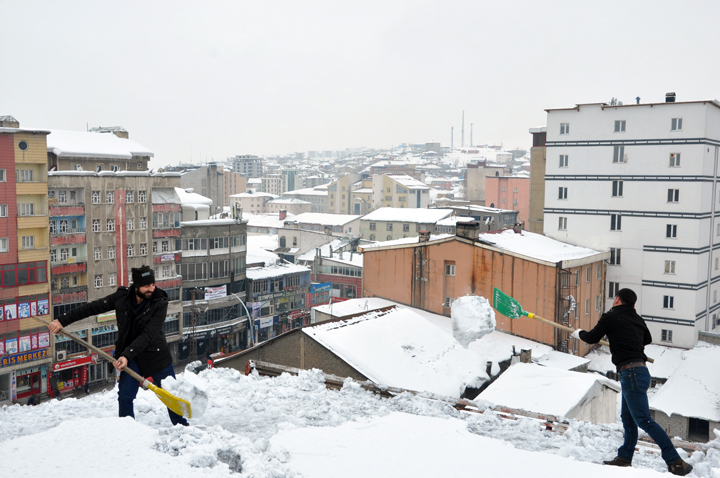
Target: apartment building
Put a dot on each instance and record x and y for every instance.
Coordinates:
(247, 165)
(641, 182)
(208, 181)
(235, 183)
(252, 202)
(399, 191)
(25, 343)
(475, 179)
(509, 192)
(387, 224)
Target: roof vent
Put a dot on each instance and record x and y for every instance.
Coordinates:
(9, 122)
(670, 97)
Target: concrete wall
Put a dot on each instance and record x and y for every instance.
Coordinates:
(537, 189)
(508, 192)
(295, 349)
(601, 409)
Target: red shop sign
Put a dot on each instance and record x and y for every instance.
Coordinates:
(90, 359)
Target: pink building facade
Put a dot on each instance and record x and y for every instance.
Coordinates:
(509, 192)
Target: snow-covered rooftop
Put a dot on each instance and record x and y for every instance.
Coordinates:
(292, 201)
(541, 389)
(253, 194)
(271, 220)
(408, 181)
(538, 246)
(399, 349)
(405, 241)
(307, 192)
(693, 389)
(258, 252)
(192, 198)
(81, 144)
(257, 273)
(415, 215)
(325, 219)
(355, 306)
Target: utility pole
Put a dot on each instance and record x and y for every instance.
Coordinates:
(462, 140)
(193, 326)
(471, 140)
(451, 139)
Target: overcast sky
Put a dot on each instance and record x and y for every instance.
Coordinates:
(209, 80)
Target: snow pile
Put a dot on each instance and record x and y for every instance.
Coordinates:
(292, 426)
(188, 387)
(472, 319)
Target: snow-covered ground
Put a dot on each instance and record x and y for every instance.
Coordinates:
(292, 426)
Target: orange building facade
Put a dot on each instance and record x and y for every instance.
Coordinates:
(509, 192)
(431, 274)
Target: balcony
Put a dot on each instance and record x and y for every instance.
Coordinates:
(31, 221)
(67, 210)
(35, 254)
(69, 265)
(31, 188)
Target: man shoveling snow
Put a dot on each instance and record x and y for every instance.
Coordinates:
(141, 345)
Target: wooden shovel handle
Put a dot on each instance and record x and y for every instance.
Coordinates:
(102, 354)
(568, 329)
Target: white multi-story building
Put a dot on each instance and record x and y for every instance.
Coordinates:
(641, 181)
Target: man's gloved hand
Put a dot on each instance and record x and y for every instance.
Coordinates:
(576, 334)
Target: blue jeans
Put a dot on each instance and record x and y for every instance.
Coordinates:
(635, 413)
(128, 389)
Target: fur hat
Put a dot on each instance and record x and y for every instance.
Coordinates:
(142, 276)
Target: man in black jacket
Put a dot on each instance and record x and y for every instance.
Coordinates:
(628, 335)
(140, 312)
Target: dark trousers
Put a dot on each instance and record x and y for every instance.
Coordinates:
(635, 413)
(128, 388)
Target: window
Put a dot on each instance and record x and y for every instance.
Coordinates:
(671, 231)
(515, 201)
(372, 226)
(143, 249)
(673, 195)
(389, 226)
(669, 267)
(53, 227)
(614, 256)
(598, 272)
(562, 193)
(717, 263)
(674, 160)
(587, 274)
(111, 252)
(449, 269)
(564, 128)
(562, 224)
(504, 189)
(613, 289)
(620, 126)
(619, 154)
(53, 255)
(165, 271)
(143, 223)
(114, 168)
(28, 242)
(96, 225)
(615, 222)
(98, 280)
(26, 273)
(77, 167)
(63, 226)
(25, 175)
(668, 302)
(97, 253)
(448, 302)
(388, 238)
(131, 250)
(598, 302)
(110, 225)
(676, 124)
(27, 209)
(62, 197)
(129, 197)
(64, 252)
(617, 189)
(666, 335)
(142, 196)
(95, 197)
(3, 176)
(110, 197)
(112, 279)
(166, 245)
(98, 168)
(4, 210)
(587, 306)
(372, 237)
(130, 224)
(4, 244)
(515, 190)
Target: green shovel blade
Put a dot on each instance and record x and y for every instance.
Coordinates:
(506, 305)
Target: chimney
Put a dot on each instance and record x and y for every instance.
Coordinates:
(518, 227)
(526, 355)
(670, 97)
(488, 368)
(9, 122)
(468, 230)
(283, 214)
(424, 236)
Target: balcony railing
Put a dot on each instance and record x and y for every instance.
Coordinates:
(68, 231)
(69, 260)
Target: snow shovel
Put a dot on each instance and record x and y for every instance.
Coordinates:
(512, 309)
(176, 404)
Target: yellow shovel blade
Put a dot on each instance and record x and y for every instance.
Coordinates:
(176, 404)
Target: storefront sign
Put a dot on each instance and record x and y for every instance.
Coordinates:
(273, 295)
(167, 257)
(106, 317)
(322, 287)
(90, 359)
(24, 357)
(215, 292)
(266, 322)
(295, 315)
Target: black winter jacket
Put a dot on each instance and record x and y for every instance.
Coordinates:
(149, 347)
(626, 331)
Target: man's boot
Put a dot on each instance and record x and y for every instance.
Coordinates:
(618, 461)
(679, 467)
